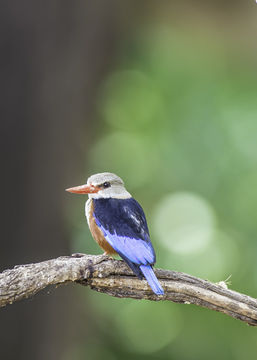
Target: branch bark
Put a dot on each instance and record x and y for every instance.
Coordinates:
(113, 277)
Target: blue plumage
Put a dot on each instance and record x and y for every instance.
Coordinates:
(124, 226)
(152, 279)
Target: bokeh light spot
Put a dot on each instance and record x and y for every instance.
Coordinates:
(184, 223)
(147, 327)
(124, 154)
(130, 100)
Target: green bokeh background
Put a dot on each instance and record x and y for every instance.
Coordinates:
(178, 122)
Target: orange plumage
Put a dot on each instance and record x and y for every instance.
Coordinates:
(98, 234)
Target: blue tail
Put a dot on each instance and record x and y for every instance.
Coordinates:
(152, 279)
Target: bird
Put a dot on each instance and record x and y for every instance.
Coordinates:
(118, 224)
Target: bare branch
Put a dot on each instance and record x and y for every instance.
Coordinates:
(113, 277)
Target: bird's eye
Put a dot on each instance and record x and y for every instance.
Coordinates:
(106, 184)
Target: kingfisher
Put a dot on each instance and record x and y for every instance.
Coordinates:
(118, 224)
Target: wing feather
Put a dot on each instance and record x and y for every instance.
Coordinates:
(124, 226)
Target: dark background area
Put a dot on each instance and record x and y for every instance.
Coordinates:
(58, 115)
(53, 55)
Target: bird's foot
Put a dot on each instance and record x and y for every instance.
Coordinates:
(108, 255)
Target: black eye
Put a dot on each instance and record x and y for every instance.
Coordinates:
(106, 184)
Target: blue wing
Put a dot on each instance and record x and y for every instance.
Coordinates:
(124, 226)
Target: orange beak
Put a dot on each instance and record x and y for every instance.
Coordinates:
(83, 189)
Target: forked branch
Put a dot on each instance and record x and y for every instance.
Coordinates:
(113, 277)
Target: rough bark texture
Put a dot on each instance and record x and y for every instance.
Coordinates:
(113, 277)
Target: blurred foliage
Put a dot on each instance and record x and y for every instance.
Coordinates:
(179, 125)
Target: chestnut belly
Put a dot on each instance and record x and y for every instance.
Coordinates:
(97, 233)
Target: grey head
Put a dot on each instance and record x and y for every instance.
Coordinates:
(109, 185)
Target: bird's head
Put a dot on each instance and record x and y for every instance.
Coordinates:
(103, 185)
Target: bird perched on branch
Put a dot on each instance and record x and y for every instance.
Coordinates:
(118, 224)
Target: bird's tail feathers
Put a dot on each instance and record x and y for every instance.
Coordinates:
(134, 267)
(152, 279)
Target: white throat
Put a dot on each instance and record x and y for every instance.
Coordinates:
(116, 192)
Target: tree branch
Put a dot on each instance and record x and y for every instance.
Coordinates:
(113, 277)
